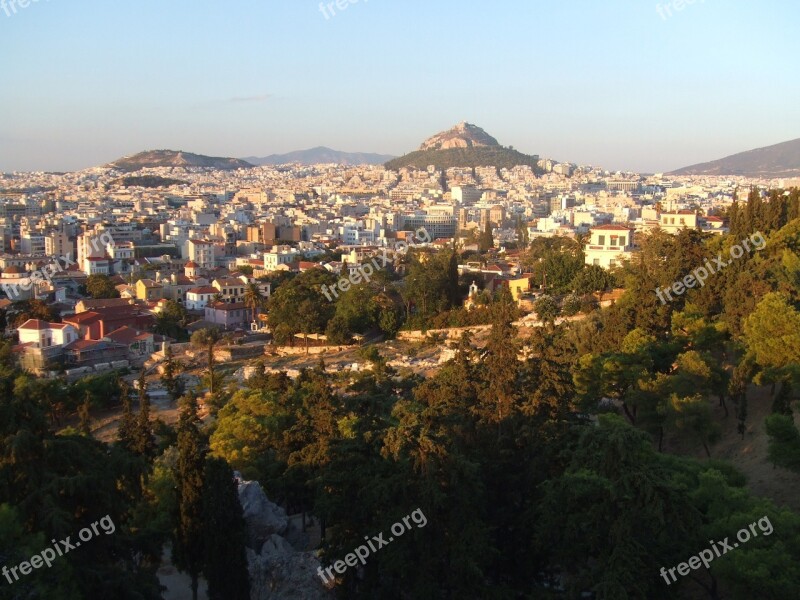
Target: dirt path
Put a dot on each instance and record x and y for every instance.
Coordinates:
(749, 455)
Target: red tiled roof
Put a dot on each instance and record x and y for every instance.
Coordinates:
(85, 317)
(612, 228)
(203, 290)
(127, 335)
(225, 306)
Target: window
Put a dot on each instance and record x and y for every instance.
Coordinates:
(612, 263)
(622, 240)
(601, 240)
(672, 221)
(683, 221)
(596, 261)
(614, 239)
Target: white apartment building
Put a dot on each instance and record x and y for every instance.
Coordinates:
(609, 245)
(197, 298)
(57, 243)
(42, 334)
(465, 194)
(272, 260)
(32, 243)
(201, 252)
(673, 222)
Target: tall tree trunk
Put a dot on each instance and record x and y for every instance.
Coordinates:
(631, 417)
(211, 368)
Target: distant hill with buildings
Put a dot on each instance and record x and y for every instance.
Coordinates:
(778, 161)
(321, 155)
(146, 181)
(465, 145)
(172, 158)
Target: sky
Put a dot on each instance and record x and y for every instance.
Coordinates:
(622, 84)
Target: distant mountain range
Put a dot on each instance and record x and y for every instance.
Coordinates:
(465, 145)
(321, 155)
(173, 158)
(778, 161)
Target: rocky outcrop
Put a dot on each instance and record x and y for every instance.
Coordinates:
(263, 518)
(277, 570)
(463, 135)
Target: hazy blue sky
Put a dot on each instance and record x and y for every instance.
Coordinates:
(608, 83)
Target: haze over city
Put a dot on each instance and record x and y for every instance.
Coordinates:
(399, 300)
(617, 84)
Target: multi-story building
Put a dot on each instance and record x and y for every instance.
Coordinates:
(465, 195)
(673, 222)
(609, 245)
(57, 243)
(201, 252)
(437, 226)
(230, 288)
(227, 315)
(198, 298)
(272, 260)
(149, 290)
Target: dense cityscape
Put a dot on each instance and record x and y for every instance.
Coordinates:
(236, 364)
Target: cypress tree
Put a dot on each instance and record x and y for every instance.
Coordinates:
(85, 416)
(127, 424)
(224, 535)
(170, 377)
(188, 547)
(143, 440)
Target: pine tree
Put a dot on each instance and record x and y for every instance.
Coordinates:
(188, 544)
(224, 535)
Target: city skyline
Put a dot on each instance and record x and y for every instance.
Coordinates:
(615, 85)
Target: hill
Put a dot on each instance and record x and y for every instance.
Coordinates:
(171, 158)
(146, 181)
(321, 155)
(778, 161)
(463, 135)
(465, 145)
